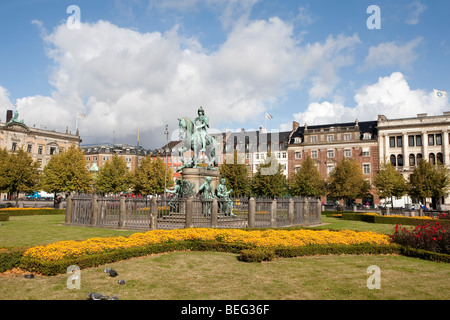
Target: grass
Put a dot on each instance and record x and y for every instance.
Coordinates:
(221, 276)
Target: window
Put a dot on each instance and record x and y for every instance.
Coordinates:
(248, 155)
(298, 154)
(14, 146)
(399, 141)
(284, 155)
(367, 136)
(400, 160)
(439, 139)
(347, 153)
(297, 140)
(432, 158)
(278, 155)
(347, 136)
(257, 156)
(88, 158)
(419, 158)
(40, 148)
(330, 138)
(314, 154)
(392, 142)
(366, 168)
(439, 158)
(94, 158)
(410, 141)
(330, 153)
(297, 168)
(431, 139)
(313, 139)
(330, 168)
(29, 148)
(365, 152)
(412, 160)
(52, 150)
(393, 160)
(418, 140)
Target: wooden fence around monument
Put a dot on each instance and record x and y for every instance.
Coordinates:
(156, 213)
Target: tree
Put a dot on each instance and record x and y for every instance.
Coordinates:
(269, 180)
(390, 183)
(113, 176)
(347, 181)
(236, 176)
(427, 181)
(67, 172)
(19, 173)
(149, 176)
(307, 181)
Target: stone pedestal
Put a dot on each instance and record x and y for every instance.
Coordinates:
(197, 176)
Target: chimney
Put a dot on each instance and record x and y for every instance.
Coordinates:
(9, 115)
(260, 129)
(295, 125)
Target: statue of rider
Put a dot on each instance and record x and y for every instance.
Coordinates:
(201, 125)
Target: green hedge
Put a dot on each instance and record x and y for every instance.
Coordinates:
(391, 220)
(32, 212)
(4, 216)
(10, 258)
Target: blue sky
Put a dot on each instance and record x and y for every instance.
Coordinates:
(139, 64)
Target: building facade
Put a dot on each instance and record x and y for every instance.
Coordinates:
(406, 142)
(329, 144)
(39, 143)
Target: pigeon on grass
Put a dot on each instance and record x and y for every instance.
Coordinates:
(121, 281)
(114, 297)
(97, 296)
(113, 273)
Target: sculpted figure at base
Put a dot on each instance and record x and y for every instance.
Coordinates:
(173, 203)
(223, 195)
(206, 195)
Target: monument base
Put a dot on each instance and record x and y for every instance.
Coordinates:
(197, 176)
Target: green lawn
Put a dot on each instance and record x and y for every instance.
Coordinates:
(221, 276)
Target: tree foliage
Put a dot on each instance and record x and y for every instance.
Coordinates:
(113, 176)
(428, 181)
(19, 172)
(347, 181)
(269, 180)
(149, 176)
(67, 172)
(236, 176)
(390, 183)
(307, 181)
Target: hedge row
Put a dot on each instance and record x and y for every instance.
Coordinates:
(30, 212)
(390, 219)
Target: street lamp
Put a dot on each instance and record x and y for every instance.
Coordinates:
(165, 164)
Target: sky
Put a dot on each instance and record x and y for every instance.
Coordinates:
(133, 67)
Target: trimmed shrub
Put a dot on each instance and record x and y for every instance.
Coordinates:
(257, 255)
(4, 216)
(31, 211)
(10, 258)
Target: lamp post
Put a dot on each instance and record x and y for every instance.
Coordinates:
(166, 132)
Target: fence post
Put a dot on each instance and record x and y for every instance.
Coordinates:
(122, 212)
(214, 212)
(69, 209)
(153, 213)
(306, 211)
(291, 211)
(251, 212)
(273, 213)
(94, 214)
(189, 209)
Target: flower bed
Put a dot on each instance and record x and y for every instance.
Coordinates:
(433, 237)
(55, 258)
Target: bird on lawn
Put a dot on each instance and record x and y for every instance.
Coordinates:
(97, 296)
(113, 273)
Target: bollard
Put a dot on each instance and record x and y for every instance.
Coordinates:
(273, 214)
(94, 213)
(122, 212)
(251, 212)
(189, 208)
(214, 213)
(69, 209)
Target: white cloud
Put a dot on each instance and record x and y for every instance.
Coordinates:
(390, 96)
(390, 54)
(415, 9)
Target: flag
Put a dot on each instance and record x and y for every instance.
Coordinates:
(268, 116)
(439, 93)
(81, 115)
